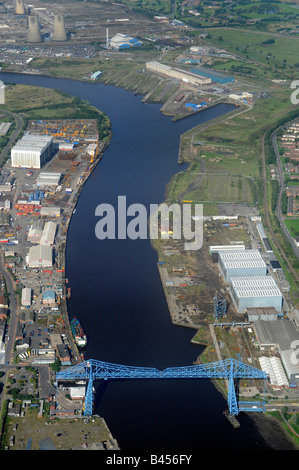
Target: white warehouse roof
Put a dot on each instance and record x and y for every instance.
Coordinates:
(40, 256)
(48, 179)
(26, 296)
(48, 234)
(273, 367)
(241, 259)
(32, 151)
(33, 143)
(255, 286)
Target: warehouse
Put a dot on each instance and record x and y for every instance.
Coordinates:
(35, 231)
(26, 297)
(50, 211)
(49, 297)
(237, 263)
(183, 75)
(214, 75)
(122, 41)
(290, 362)
(48, 178)
(32, 151)
(217, 248)
(48, 234)
(274, 369)
(265, 314)
(40, 256)
(255, 291)
(280, 336)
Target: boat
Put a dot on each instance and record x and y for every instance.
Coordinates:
(78, 333)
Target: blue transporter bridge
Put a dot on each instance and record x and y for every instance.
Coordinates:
(228, 369)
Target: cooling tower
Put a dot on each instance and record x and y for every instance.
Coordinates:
(33, 30)
(20, 9)
(59, 33)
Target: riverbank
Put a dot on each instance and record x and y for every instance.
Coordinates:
(86, 254)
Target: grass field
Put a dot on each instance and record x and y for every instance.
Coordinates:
(253, 46)
(293, 226)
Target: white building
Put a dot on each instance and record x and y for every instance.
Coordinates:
(179, 74)
(35, 231)
(238, 263)
(40, 256)
(26, 297)
(50, 211)
(122, 41)
(48, 178)
(255, 291)
(274, 369)
(32, 151)
(48, 234)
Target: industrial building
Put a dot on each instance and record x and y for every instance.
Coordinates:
(48, 234)
(214, 250)
(237, 263)
(255, 291)
(263, 237)
(48, 178)
(49, 297)
(32, 151)
(40, 256)
(274, 369)
(265, 314)
(50, 211)
(217, 248)
(242, 97)
(183, 75)
(35, 231)
(279, 336)
(26, 297)
(122, 41)
(214, 75)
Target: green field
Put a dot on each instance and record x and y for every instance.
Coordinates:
(292, 226)
(254, 46)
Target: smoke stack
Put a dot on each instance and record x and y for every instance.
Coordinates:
(59, 33)
(20, 9)
(33, 30)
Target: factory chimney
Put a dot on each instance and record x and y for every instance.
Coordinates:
(59, 33)
(20, 9)
(33, 30)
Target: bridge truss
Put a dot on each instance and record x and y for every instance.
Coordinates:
(228, 369)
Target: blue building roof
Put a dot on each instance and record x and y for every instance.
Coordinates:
(49, 294)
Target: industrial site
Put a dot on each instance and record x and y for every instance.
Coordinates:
(238, 293)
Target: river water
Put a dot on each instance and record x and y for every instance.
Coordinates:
(117, 293)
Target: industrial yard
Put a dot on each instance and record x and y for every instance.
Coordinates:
(40, 189)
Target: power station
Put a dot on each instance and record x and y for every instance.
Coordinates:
(20, 9)
(59, 33)
(33, 30)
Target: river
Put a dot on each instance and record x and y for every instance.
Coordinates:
(117, 293)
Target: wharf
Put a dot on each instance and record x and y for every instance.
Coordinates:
(232, 419)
